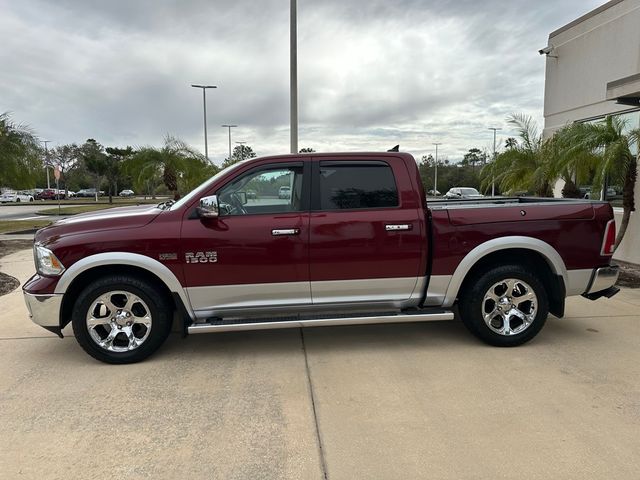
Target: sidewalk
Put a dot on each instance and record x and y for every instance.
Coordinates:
(372, 402)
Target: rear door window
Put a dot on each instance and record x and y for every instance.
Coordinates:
(358, 185)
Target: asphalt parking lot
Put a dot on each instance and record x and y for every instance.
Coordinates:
(378, 402)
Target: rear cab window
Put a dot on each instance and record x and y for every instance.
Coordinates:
(343, 185)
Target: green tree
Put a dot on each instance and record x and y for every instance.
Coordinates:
(307, 150)
(524, 166)
(473, 157)
(241, 152)
(95, 161)
(66, 158)
(179, 166)
(511, 143)
(605, 149)
(115, 158)
(20, 154)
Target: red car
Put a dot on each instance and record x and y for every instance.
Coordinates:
(50, 194)
(355, 243)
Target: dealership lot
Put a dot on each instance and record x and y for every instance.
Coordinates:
(385, 401)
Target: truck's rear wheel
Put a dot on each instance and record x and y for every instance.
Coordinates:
(506, 306)
(121, 319)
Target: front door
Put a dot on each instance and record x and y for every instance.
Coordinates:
(366, 243)
(256, 253)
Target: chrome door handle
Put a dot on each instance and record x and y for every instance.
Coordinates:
(285, 231)
(395, 227)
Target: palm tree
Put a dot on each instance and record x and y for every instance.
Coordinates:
(180, 166)
(605, 149)
(523, 166)
(19, 153)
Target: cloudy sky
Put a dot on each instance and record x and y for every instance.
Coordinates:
(372, 73)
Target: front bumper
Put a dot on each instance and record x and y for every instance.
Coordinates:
(602, 283)
(44, 310)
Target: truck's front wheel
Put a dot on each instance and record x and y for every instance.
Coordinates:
(505, 307)
(121, 319)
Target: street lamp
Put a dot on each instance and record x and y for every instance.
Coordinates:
(46, 161)
(293, 70)
(435, 180)
(493, 174)
(241, 150)
(204, 106)
(229, 127)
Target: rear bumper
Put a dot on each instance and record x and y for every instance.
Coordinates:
(603, 278)
(602, 283)
(44, 310)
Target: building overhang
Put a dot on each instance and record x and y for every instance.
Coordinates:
(625, 91)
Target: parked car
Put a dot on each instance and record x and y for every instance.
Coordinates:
(127, 193)
(87, 192)
(251, 194)
(585, 192)
(433, 193)
(463, 192)
(50, 194)
(284, 192)
(16, 197)
(359, 250)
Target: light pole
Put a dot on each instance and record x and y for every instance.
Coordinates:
(435, 180)
(229, 127)
(204, 106)
(293, 70)
(46, 161)
(241, 150)
(493, 175)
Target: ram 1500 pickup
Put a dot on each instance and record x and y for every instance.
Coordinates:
(353, 242)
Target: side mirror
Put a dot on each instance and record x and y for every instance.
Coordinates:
(209, 207)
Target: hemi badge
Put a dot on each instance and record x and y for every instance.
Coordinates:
(168, 256)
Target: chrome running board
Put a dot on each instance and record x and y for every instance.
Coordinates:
(300, 322)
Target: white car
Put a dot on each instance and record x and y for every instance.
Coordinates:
(463, 192)
(127, 193)
(284, 192)
(16, 197)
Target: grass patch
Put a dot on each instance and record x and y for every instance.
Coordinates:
(75, 209)
(9, 226)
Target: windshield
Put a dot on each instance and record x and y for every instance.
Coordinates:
(199, 189)
(469, 191)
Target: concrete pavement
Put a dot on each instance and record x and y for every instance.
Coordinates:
(375, 402)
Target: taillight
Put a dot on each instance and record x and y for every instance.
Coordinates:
(609, 240)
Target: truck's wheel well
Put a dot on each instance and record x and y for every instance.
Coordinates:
(88, 276)
(532, 260)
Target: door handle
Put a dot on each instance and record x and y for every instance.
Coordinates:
(397, 226)
(285, 231)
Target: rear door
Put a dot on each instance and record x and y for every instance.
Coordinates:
(365, 232)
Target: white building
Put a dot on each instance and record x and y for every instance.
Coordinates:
(593, 70)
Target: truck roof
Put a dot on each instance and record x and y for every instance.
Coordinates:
(339, 155)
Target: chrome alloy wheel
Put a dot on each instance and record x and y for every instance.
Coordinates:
(509, 307)
(119, 321)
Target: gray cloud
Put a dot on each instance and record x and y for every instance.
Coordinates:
(372, 73)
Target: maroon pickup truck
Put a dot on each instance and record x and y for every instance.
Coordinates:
(353, 243)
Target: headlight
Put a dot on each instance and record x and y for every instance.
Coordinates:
(46, 262)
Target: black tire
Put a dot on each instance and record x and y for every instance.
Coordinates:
(153, 299)
(473, 305)
(17, 200)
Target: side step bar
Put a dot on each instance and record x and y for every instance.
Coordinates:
(269, 324)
